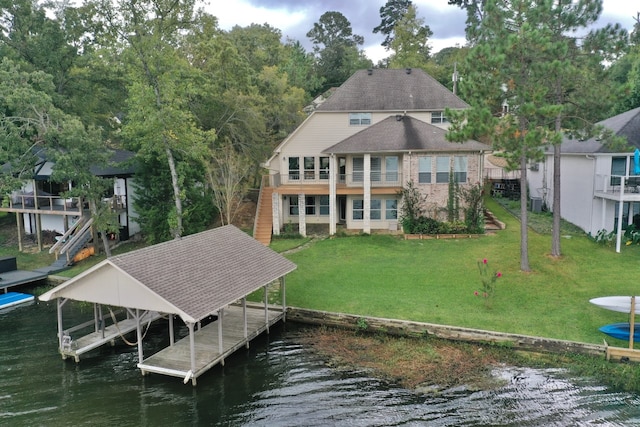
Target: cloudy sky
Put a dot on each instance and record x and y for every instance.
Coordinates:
(296, 17)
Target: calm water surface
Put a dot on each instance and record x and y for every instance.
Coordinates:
(278, 382)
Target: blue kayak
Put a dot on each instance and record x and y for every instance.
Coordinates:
(621, 331)
(14, 298)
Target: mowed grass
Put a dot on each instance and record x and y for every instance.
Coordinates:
(434, 281)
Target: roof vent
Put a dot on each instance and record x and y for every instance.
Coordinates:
(408, 70)
(370, 71)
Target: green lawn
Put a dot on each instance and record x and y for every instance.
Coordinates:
(434, 281)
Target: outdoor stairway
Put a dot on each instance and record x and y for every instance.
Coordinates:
(264, 216)
(72, 242)
(491, 223)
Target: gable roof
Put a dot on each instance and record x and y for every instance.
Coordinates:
(191, 277)
(626, 125)
(391, 89)
(401, 133)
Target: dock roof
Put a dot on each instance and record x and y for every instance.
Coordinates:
(191, 277)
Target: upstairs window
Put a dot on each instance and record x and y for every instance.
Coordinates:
(294, 168)
(324, 168)
(359, 119)
(438, 117)
(309, 168)
(358, 169)
(424, 170)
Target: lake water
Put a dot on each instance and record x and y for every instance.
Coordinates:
(277, 382)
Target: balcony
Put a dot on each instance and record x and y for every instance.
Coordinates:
(49, 204)
(388, 179)
(617, 187)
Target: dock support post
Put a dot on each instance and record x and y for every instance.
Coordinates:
(192, 345)
(139, 335)
(266, 307)
(220, 344)
(60, 303)
(244, 319)
(283, 292)
(171, 334)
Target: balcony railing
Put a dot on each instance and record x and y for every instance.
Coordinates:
(356, 179)
(614, 184)
(27, 201)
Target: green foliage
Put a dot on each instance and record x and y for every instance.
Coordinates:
(473, 197)
(361, 324)
(632, 235)
(412, 206)
(289, 231)
(336, 49)
(410, 44)
(604, 237)
(487, 282)
(453, 199)
(390, 14)
(156, 210)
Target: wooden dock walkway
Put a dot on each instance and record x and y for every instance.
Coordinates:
(175, 360)
(76, 347)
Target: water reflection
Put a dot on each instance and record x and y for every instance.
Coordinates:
(278, 382)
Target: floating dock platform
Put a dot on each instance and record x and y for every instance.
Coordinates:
(10, 299)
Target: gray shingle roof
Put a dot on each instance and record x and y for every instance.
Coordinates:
(626, 124)
(203, 272)
(399, 134)
(391, 89)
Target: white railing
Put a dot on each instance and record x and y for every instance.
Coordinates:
(356, 179)
(614, 184)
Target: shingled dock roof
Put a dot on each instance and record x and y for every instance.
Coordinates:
(626, 125)
(391, 89)
(402, 133)
(191, 277)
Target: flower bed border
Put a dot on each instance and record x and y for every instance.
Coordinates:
(441, 236)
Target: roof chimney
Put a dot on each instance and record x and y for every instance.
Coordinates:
(408, 70)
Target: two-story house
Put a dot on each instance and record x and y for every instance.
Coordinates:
(348, 161)
(600, 186)
(40, 205)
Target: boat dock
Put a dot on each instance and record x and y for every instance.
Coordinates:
(201, 275)
(10, 276)
(209, 350)
(70, 347)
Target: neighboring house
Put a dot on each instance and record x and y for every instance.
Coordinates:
(600, 188)
(347, 162)
(39, 205)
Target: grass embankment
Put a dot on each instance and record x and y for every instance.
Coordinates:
(434, 281)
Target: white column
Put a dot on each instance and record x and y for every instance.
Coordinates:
(302, 219)
(620, 211)
(333, 172)
(366, 221)
(139, 335)
(220, 344)
(192, 348)
(171, 334)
